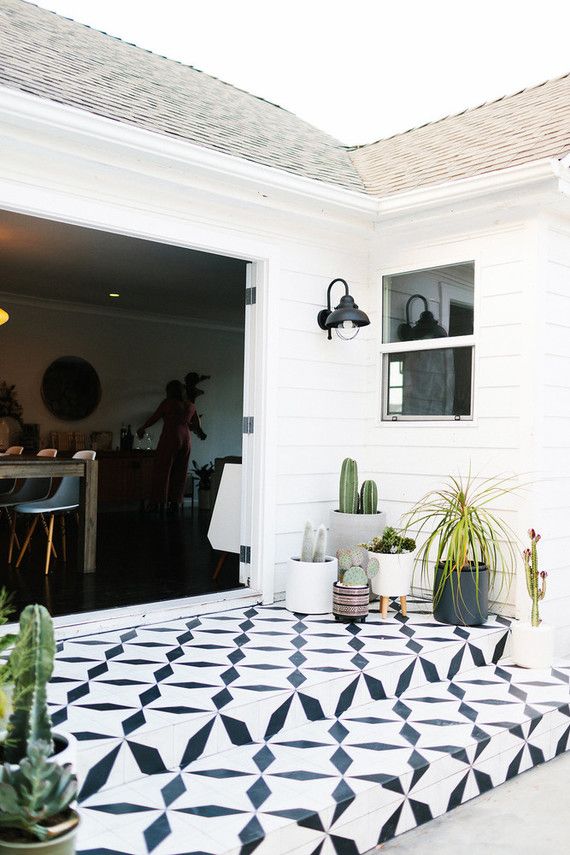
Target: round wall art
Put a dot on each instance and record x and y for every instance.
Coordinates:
(71, 389)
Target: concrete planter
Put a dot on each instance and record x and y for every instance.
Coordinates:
(350, 602)
(309, 585)
(532, 646)
(65, 844)
(346, 530)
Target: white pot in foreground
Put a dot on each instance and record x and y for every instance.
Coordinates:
(347, 530)
(309, 585)
(394, 579)
(532, 646)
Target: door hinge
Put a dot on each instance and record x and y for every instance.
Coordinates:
(245, 554)
(251, 296)
(247, 424)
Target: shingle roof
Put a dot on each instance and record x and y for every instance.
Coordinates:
(516, 129)
(46, 55)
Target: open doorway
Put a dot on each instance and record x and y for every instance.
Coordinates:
(178, 312)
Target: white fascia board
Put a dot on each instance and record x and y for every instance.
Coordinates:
(467, 190)
(107, 137)
(106, 140)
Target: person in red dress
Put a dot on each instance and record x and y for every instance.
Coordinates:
(173, 451)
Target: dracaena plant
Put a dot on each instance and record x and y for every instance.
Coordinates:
(462, 530)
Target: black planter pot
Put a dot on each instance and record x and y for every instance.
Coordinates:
(461, 604)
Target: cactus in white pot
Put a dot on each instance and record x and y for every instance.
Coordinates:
(357, 517)
(533, 642)
(310, 575)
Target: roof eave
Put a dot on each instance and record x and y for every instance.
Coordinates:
(37, 113)
(533, 173)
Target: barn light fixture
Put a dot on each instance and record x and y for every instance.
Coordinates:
(346, 318)
(4, 316)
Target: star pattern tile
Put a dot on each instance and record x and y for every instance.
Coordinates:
(260, 730)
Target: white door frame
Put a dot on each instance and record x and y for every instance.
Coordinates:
(155, 224)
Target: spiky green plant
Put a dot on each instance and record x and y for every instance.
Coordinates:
(354, 576)
(31, 666)
(348, 489)
(535, 591)
(35, 792)
(368, 497)
(462, 529)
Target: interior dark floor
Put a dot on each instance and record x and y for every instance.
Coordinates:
(141, 558)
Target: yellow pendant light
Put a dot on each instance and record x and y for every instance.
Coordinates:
(4, 316)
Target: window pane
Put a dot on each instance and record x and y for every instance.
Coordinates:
(440, 299)
(429, 382)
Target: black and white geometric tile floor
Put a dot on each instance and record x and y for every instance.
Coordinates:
(258, 730)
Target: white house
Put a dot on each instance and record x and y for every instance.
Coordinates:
(471, 212)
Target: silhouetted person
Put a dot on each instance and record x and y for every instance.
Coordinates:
(173, 450)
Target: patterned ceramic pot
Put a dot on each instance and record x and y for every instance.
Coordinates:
(350, 602)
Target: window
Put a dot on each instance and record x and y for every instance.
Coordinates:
(427, 343)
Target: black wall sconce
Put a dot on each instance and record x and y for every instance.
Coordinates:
(346, 317)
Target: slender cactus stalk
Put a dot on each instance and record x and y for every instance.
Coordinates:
(348, 492)
(31, 666)
(369, 498)
(320, 545)
(308, 547)
(535, 590)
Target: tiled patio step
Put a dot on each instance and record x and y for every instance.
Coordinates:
(345, 784)
(152, 699)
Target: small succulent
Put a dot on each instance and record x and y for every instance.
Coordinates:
(391, 543)
(355, 567)
(35, 792)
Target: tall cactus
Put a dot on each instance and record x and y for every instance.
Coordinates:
(532, 573)
(348, 493)
(31, 666)
(369, 498)
(308, 546)
(319, 554)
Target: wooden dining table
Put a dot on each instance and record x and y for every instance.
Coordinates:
(52, 467)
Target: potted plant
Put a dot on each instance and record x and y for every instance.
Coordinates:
(533, 643)
(357, 518)
(31, 666)
(395, 554)
(35, 805)
(6, 641)
(351, 592)
(310, 575)
(204, 476)
(472, 544)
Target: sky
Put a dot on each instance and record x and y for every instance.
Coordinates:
(359, 69)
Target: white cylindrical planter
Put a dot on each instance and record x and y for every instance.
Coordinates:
(347, 530)
(309, 585)
(394, 579)
(65, 750)
(532, 646)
